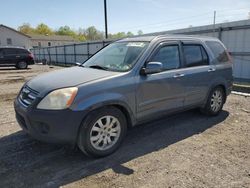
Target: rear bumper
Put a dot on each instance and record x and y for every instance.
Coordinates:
(52, 126)
(31, 62)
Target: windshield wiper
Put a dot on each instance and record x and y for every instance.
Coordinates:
(98, 67)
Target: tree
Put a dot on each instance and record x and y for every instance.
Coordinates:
(44, 29)
(26, 29)
(118, 35)
(130, 34)
(66, 30)
(81, 37)
(92, 33)
(140, 32)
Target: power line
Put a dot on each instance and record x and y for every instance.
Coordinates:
(189, 18)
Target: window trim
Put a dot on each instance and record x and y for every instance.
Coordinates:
(194, 43)
(163, 44)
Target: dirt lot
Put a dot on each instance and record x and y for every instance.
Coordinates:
(184, 150)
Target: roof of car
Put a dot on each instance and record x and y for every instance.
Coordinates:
(170, 37)
(14, 47)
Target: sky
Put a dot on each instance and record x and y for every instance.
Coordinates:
(123, 15)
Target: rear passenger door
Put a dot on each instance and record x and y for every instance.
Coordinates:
(197, 71)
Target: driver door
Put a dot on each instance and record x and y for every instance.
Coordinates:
(163, 91)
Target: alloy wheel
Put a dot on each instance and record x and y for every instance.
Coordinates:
(105, 132)
(216, 100)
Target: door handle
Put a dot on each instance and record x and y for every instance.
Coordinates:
(211, 70)
(179, 75)
(18, 56)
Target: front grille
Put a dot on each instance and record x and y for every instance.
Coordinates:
(27, 96)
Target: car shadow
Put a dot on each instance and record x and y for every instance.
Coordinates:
(13, 69)
(29, 163)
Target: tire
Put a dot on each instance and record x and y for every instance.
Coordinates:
(97, 137)
(215, 102)
(22, 65)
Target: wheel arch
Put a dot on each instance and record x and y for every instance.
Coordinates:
(218, 84)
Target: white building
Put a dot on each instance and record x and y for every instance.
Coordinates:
(50, 40)
(12, 37)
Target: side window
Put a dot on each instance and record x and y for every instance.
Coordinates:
(195, 55)
(9, 51)
(21, 51)
(168, 56)
(218, 50)
(1, 52)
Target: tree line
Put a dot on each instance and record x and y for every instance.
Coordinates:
(90, 33)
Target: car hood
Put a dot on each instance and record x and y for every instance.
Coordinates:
(67, 77)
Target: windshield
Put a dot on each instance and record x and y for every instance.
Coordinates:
(119, 56)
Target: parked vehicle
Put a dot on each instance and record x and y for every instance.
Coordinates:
(128, 82)
(16, 56)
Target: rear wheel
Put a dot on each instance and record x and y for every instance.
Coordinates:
(102, 132)
(22, 65)
(215, 101)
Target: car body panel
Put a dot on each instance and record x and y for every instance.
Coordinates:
(68, 77)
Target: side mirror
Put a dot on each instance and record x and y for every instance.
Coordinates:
(78, 64)
(152, 67)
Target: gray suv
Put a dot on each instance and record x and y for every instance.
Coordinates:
(126, 83)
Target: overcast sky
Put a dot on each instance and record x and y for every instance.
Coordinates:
(123, 15)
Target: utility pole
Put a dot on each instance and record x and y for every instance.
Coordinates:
(106, 22)
(214, 23)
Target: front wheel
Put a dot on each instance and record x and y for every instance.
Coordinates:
(102, 132)
(215, 101)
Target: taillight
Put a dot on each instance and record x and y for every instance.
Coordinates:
(31, 56)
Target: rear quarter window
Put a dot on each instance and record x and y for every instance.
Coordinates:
(21, 51)
(219, 51)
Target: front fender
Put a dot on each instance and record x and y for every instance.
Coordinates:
(97, 101)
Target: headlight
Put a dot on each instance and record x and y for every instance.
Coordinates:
(58, 99)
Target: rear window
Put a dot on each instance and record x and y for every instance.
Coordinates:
(218, 50)
(195, 55)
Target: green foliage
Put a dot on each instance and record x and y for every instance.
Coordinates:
(26, 29)
(130, 34)
(140, 32)
(65, 30)
(91, 33)
(44, 29)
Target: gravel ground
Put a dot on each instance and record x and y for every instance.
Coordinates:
(184, 150)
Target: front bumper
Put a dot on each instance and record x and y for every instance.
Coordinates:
(53, 126)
